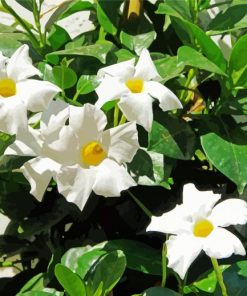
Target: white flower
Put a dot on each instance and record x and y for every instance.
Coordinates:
(196, 225)
(41, 168)
(19, 93)
(135, 86)
(80, 156)
(91, 158)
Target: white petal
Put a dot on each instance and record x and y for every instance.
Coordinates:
(64, 149)
(88, 122)
(123, 70)
(198, 203)
(13, 116)
(75, 184)
(110, 89)
(38, 172)
(56, 113)
(20, 65)
(36, 94)
(145, 67)
(232, 211)
(175, 221)
(182, 250)
(221, 243)
(111, 179)
(122, 142)
(168, 100)
(138, 107)
(3, 62)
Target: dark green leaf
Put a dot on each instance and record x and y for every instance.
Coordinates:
(173, 138)
(168, 68)
(58, 37)
(157, 291)
(177, 8)
(28, 4)
(64, 77)
(11, 162)
(188, 56)
(36, 283)
(238, 62)
(70, 281)
(98, 50)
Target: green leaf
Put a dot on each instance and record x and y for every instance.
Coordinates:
(70, 281)
(36, 283)
(107, 15)
(207, 282)
(206, 44)
(5, 141)
(11, 162)
(177, 8)
(173, 138)
(28, 4)
(58, 37)
(188, 56)
(6, 29)
(124, 55)
(168, 68)
(233, 18)
(139, 256)
(64, 77)
(86, 84)
(108, 270)
(228, 153)
(158, 291)
(238, 62)
(45, 292)
(98, 50)
(9, 42)
(235, 279)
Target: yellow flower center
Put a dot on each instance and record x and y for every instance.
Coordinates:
(92, 154)
(135, 85)
(7, 88)
(203, 228)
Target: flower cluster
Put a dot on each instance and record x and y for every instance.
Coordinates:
(71, 144)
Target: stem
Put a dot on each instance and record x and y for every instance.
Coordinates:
(164, 265)
(22, 23)
(75, 97)
(116, 114)
(122, 120)
(219, 276)
(140, 204)
(36, 14)
(190, 76)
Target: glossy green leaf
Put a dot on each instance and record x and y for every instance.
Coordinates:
(36, 283)
(177, 8)
(139, 256)
(173, 138)
(58, 37)
(98, 50)
(64, 77)
(235, 279)
(233, 18)
(206, 44)
(108, 270)
(228, 153)
(86, 84)
(238, 62)
(168, 68)
(70, 281)
(188, 56)
(158, 291)
(5, 141)
(108, 15)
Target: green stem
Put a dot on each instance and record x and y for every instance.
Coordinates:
(36, 14)
(219, 276)
(122, 120)
(164, 265)
(190, 76)
(75, 97)
(22, 23)
(116, 114)
(140, 204)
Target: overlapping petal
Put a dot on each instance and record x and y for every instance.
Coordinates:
(138, 107)
(111, 179)
(221, 243)
(182, 250)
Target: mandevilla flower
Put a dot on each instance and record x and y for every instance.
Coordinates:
(19, 93)
(80, 156)
(196, 225)
(91, 158)
(135, 86)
